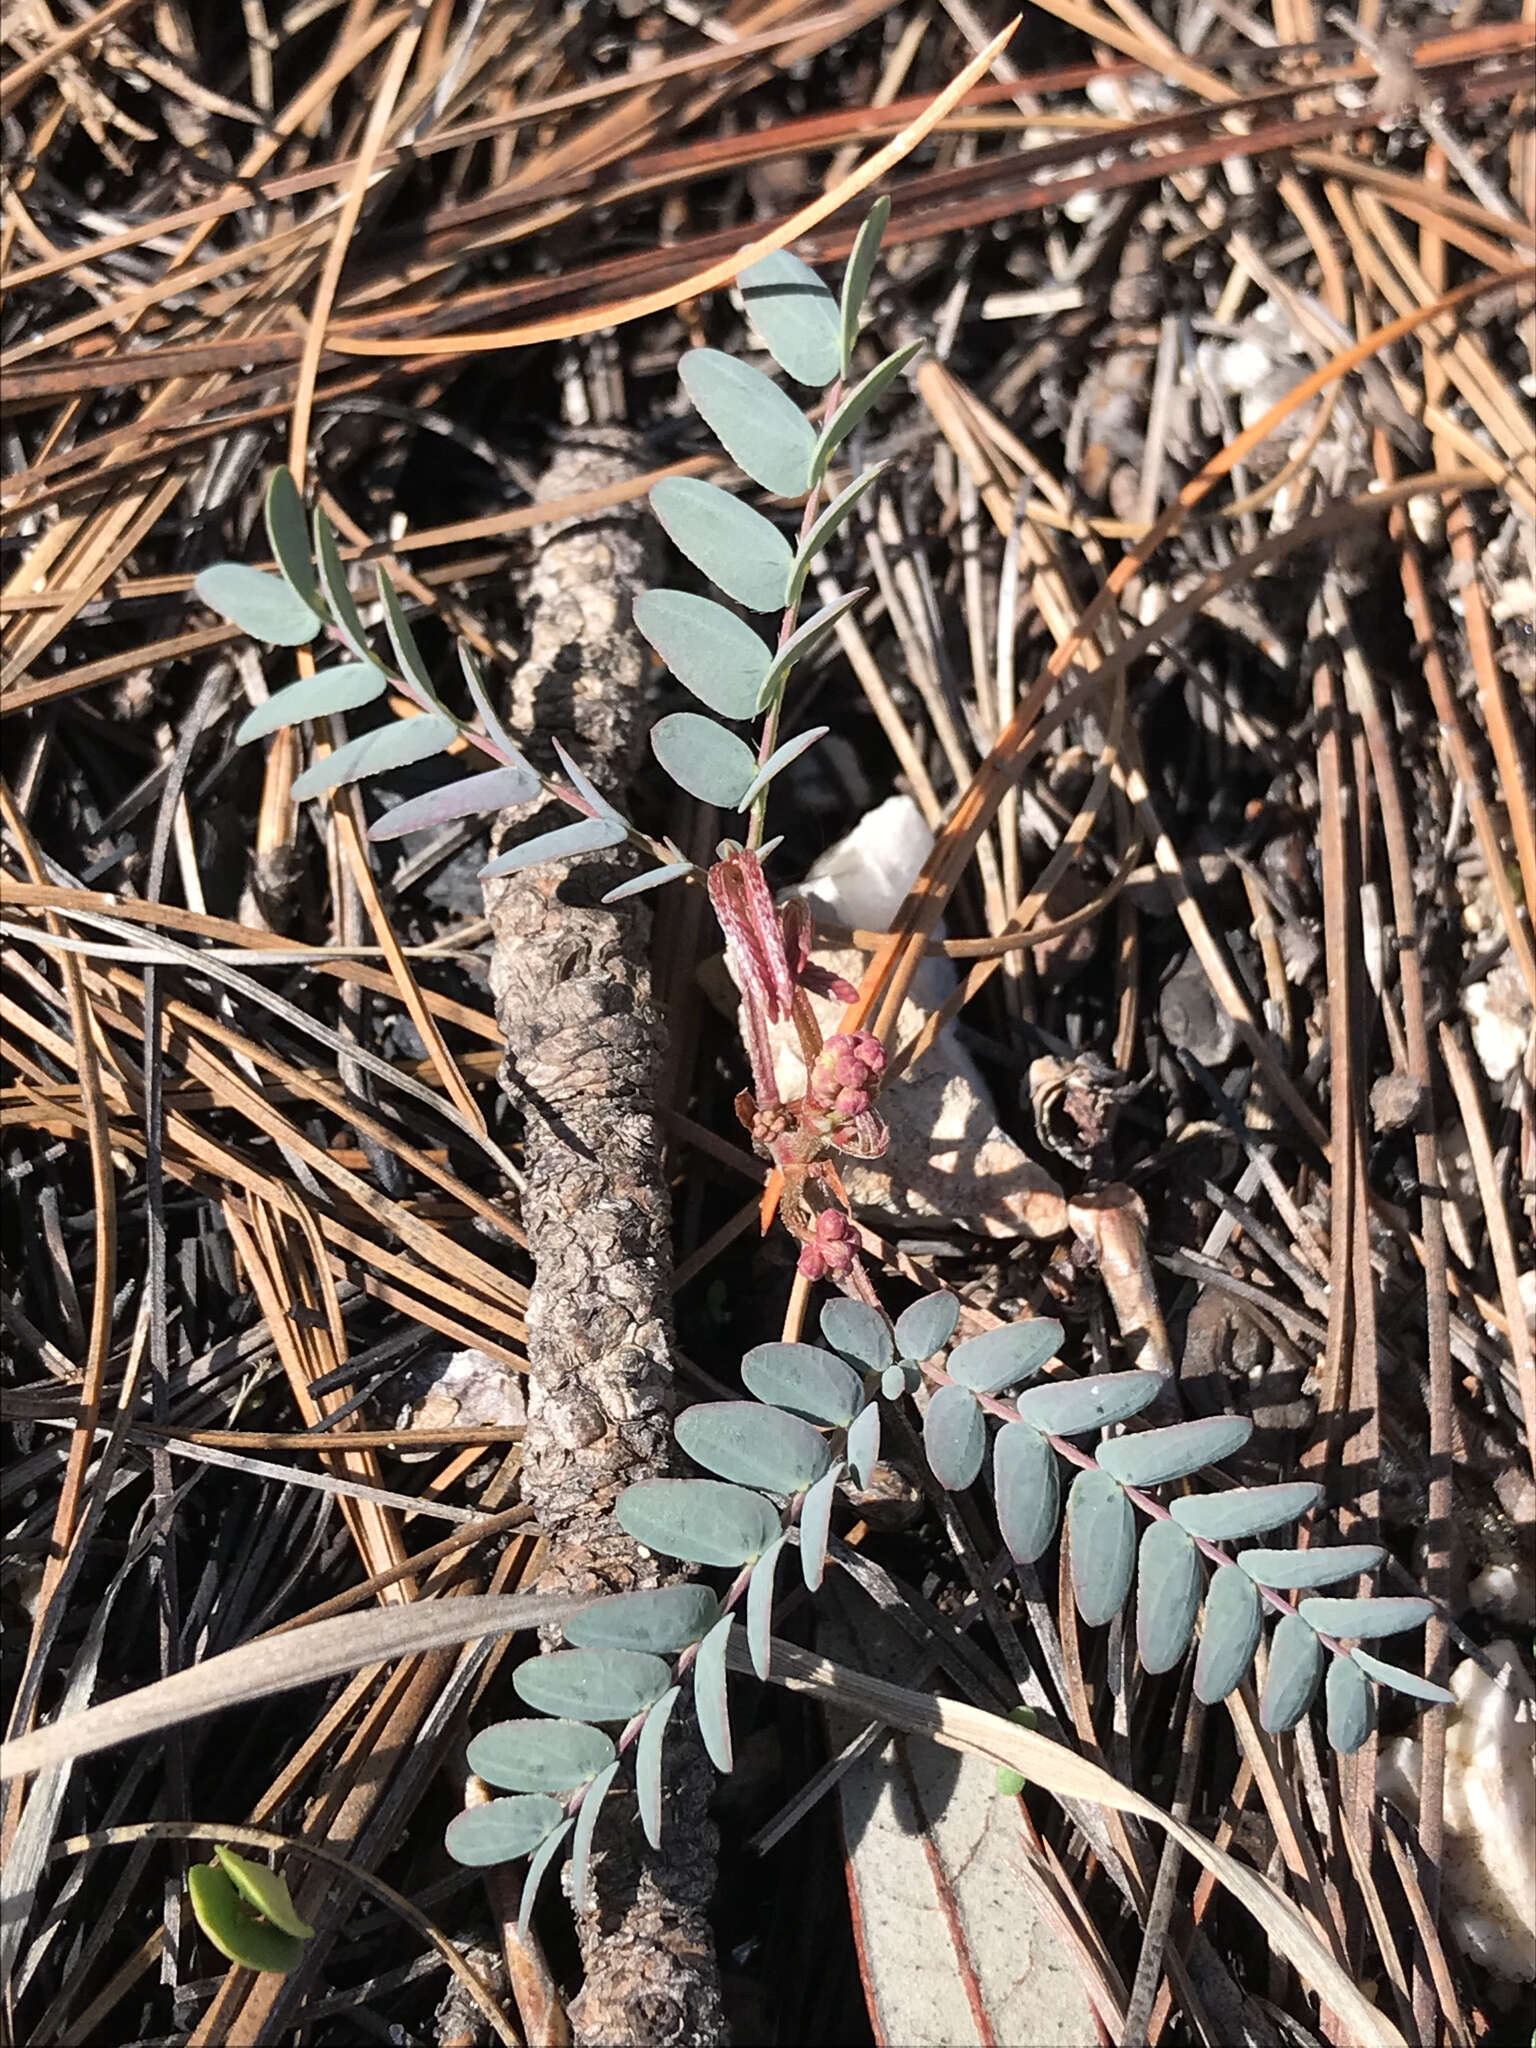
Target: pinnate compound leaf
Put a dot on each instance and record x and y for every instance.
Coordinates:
(815, 1526)
(1295, 1667)
(587, 835)
(710, 1700)
(737, 549)
(803, 641)
(861, 268)
(1408, 1682)
(399, 745)
(828, 525)
(581, 1841)
(779, 760)
(704, 759)
(341, 688)
(502, 1829)
(760, 1608)
(796, 315)
(1230, 1634)
(288, 531)
(258, 604)
(662, 1620)
(858, 1331)
(1245, 1511)
(1287, 1570)
(648, 1749)
(264, 1890)
(1168, 1579)
(592, 1685)
(1173, 1453)
(653, 878)
(233, 1929)
(759, 426)
(863, 1444)
(708, 649)
(1006, 1357)
(1101, 1527)
(865, 394)
(412, 664)
(1351, 1705)
(539, 1756)
(701, 1521)
(1367, 1618)
(538, 1863)
(1027, 1487)
(954, 1437)
(753, 1445)
(1073, 1407)
(472, 796)
(333, 581)
(806, 1380)
(927, 1326)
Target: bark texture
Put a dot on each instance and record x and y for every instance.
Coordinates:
(572, 989)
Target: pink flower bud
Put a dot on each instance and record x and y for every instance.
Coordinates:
(811, 1264)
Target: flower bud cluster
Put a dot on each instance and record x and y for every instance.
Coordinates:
(844, 1077)
(832, 1250)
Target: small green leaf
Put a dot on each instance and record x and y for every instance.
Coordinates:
(648, 1750)
(1229, 1635)
(806, 1380)
(288, 531)
(1351, 1705)
(653, 878)
(759, 426)
(1011, 1782)
(233, 1928)
(592, 1685)
(737, 548)
(663, 1621)
(827, 526)
(1006, 1357)
(342, 688)
(338, 593)
(954, 1437)
(865, 394)
(779, 760)
(471, 796)
(260, 605)
(704, 759)
(760, 1608)
(796, 315)
(701, 1521)
(399, 745)
(587, 835)
(1287, 1570)
(1245, 1511)
(863, 1444)
(1367, 1618)
(1161, 1454)
(858, 1331)
(897, 1380)
(412, 665)
(1101, 1528)
(753, 1445)
(709, 1694)
(1073, 1407)
(539, 1756)
(1168, 1581)
(816, 1526)
(538, 1863)
(927, 1326)
(803, 641)
(861, 268)
(1295, 1666)
(1408, 1682)
(264, 1890)
(495, 731)
(502, 1830)
(708, 649)
(1027, 1488)
(581, 1841)
(586, 790)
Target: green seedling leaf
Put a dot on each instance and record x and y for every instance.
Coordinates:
(753, 1445)
(826, 528)
(1234, 1621)
(592, 1685)
(701, 1521)
(796, 315)
(858, 1331)
(1408, 1682)
(1295, 1667)
(662, 1621)
(759, 426)
(779, 760)
(264, 1890)
(539, 1756)
(1006, 1357)
(816, 1526)
(1351, 1705)
(1010, 1782)
(863, 1444)
(1245, 1511)
(412, 666)
(502, 1830)
(704, 759)
(333, 581)
(1101, 1528)
(708, 649)
(399, 745)
(927, 1326)
(1168, 1582)
(1073, 1407)
(897, 1380)
(1367, 1618)
(538, 1863)
(648, 1748)
(653, 878)
(260, 605)
(806, 1380)
(760, 1608)
(1162, 1454)
(587, 835)
(865, 394)
(804, 641)
(581, 1841)
(954, 1437)
(737, 548)
(709, 1694)
(1027, 1488)
(288, 531)
(472, 796)
(233, 1928)
(342, 688)
(1287, 1570)
(861, 268)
